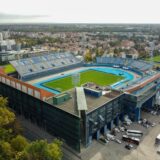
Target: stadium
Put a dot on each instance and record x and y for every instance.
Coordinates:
(79, 101)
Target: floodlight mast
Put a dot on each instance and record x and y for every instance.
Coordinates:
(152, 46)
(76, 79)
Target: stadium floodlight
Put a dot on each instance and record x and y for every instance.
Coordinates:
(76, 79)
(152, 47)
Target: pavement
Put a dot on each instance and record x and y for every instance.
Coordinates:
(114, 151)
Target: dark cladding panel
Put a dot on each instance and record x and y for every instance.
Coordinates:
(56, 121)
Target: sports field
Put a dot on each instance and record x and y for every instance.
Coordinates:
(9, 69)
(155, 59)
(100, 78)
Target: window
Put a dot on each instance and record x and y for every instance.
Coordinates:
(37, 94)
(3, 80)
(18, 86)
(30, 91)
(13, 84)
(24, 89)
(8, 81)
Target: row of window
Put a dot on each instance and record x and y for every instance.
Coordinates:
(20, 87)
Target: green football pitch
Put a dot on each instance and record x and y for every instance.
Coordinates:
(8, 68)
(155, 59)
(100, 78)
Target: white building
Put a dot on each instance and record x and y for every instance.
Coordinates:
(7, 45)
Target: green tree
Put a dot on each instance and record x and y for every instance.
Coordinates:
(41, 150)
(19, 143)
(88, 56)
(99, 51)
(5, 151)
(6, 117)
(55, 151)
(5, 134)
(3, 102)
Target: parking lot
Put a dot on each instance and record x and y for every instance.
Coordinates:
(146, 150)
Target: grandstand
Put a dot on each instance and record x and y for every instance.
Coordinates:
(135, 64)
(34, 67)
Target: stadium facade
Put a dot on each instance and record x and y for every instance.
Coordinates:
(82, 114)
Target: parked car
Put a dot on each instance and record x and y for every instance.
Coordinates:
(153, 124)
(117, 130)
(122, 129)
(110, 137)
(128, 146)
(118, 141)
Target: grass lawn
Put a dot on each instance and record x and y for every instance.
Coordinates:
(155, 59)
(8, 68)
(100, 78)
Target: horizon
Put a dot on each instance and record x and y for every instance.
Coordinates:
(99, 12)
(74, 23)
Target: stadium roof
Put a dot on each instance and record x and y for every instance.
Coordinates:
(131, 63)
(47, 62)
(81, 99)
(92, 103)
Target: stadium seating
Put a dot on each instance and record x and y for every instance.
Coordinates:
(135, 64)
(37, 65)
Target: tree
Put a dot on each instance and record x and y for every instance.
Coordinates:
(5, 134)
(5, 151)
(99, 51)
(19, 143)
(41, 150)
(55, 150)
(37, 150)
(3, 102)
(88, 56)
(6, 117)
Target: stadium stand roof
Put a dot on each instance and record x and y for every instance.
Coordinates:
(81, 100)
(34, 65)
(137, 64)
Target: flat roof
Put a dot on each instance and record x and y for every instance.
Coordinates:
(81, 99)
(92, 102)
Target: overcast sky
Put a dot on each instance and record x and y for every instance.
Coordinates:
(80, 11)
